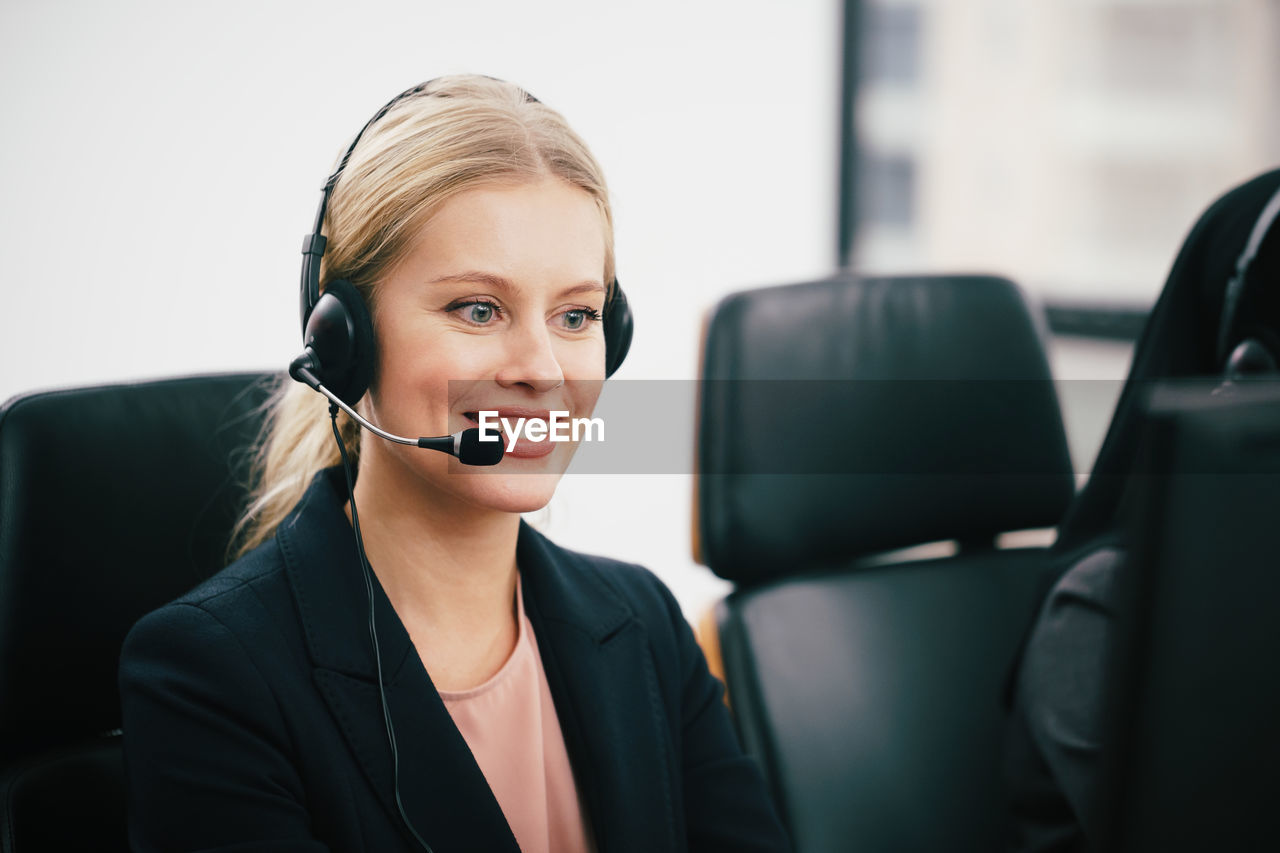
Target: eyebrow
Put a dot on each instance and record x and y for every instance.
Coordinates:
(502, 283)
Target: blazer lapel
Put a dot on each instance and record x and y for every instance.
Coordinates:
(442, 789)
(601, 673)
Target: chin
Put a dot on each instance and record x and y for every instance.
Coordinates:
(515, 485)
(515, 493)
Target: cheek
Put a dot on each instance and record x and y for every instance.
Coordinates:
(582, 360)
(411, 379)
(584, 393)
(421, 354)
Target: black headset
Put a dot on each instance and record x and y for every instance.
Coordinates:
(1240, 351)
(337, 329)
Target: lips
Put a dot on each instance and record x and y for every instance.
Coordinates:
(523, 447)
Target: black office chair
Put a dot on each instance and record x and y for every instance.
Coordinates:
(840, 419)
(113, 501)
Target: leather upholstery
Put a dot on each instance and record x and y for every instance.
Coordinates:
(926, 412)
(69, 798)
(870, 690)
(113, 501)
(872, 698)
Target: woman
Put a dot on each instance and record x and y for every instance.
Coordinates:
(1195, 330)
(406, 665)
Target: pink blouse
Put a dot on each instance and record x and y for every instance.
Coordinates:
(510, 724)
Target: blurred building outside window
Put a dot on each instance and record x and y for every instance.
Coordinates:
(1066, 144)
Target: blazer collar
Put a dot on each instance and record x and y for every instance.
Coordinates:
(595, 652)
(323, 567)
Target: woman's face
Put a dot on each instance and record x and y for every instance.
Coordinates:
(495, 308)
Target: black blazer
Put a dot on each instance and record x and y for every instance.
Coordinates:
(252, 719)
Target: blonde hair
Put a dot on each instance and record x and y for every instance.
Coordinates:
(456, 134)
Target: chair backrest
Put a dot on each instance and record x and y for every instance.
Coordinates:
(840, 419)
(113, 500)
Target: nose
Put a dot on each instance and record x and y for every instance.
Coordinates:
(530, 359)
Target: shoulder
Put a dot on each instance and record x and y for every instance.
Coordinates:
(630, 585)
(1062, 673)
(1075, 619)
(1085, 587)
(260, 565)
(1061, 681)
(250, 581)
(602, 596)
(605, 597)
(639, 586)
(244, 607)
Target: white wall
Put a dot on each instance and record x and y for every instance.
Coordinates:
(161, 161)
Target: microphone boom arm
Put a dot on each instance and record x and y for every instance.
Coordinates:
(454, 445)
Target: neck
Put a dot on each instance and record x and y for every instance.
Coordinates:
(448, 568)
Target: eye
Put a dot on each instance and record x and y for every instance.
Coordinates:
(477, 312)
(480, 312)
(576, 319)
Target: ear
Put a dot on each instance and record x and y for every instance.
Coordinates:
(340, 334)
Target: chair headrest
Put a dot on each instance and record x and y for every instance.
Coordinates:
(848, 416)
(113, 501)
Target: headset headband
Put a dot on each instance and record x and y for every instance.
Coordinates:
(343, 340)
(313, 245)
(1235, 287)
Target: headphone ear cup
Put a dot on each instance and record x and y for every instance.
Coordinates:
(339, 334)
(618, 327)
(1251, 358)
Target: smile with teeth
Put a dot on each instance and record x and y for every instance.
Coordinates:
(520, 431)
(474, 417)
(533, 432)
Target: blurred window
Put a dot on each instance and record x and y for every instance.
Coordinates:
(891, 38)
(1067, 144)
(887, 190)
